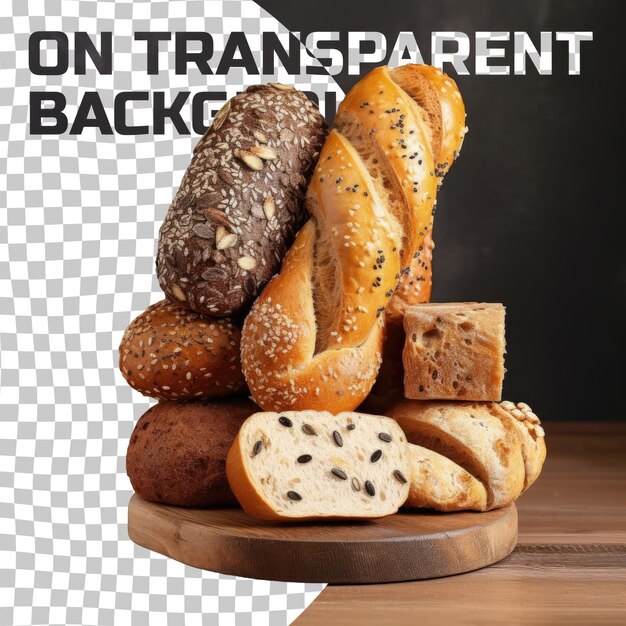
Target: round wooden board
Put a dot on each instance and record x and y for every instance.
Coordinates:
(407, 546)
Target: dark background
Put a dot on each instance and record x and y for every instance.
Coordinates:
(530, 214)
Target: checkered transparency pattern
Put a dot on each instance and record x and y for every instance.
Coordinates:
(78, 224)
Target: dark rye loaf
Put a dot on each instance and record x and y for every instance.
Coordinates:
(177, 451)
(240, 202)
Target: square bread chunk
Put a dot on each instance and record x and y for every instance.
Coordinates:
(454, 351)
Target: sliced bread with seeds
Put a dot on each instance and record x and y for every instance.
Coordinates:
(309, 465)
(240, 202)
(170, 353)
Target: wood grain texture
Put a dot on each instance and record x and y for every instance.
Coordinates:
(569, 566)
(406, 546)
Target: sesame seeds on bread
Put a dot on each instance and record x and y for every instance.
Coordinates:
(240, 202)
(170, 353)
(313, 338)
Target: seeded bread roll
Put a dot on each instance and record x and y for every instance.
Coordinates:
(313, 338)
(454, 351)
(177, 451)
(170, 353)
(501, 445)
(239, 204)
(438, 483)
(310, 465)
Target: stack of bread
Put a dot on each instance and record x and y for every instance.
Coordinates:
(296, 265)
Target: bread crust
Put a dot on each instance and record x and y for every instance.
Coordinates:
(170, 353)
(486, 439)
(313, 337)
(278, 345)
(240, 202)
(177, 451)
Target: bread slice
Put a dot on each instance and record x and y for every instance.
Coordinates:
(501, 445)
(440, 484)
(308, 465)
(454, 351)
(479, 436)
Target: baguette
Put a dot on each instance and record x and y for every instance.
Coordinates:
(501, 445)
(312, 465)
(313, 339)
(170, 353)
(240, 202)
(448, 124)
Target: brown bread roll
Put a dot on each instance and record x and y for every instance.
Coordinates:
(177, 451)
(170, 353)
(240, 202)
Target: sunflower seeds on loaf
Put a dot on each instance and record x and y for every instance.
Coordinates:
(240, 202)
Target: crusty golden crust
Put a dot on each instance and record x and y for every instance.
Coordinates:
(313, 338)
(440, 100)
(170, 353)
(444, 107)
(277, 354)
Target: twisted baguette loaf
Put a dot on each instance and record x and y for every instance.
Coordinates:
(446, 113)
(313, 339)
(501, 446)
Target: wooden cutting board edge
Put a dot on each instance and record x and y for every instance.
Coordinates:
(406, 546)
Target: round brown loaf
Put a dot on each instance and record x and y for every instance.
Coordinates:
(177, 451)
(170, 353)
(240, 202)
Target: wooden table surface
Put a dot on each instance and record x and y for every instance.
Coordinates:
(569, 566)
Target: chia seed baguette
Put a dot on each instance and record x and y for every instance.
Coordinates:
(240, 202)
(310, 465)
(313, 338)
(446, 115)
